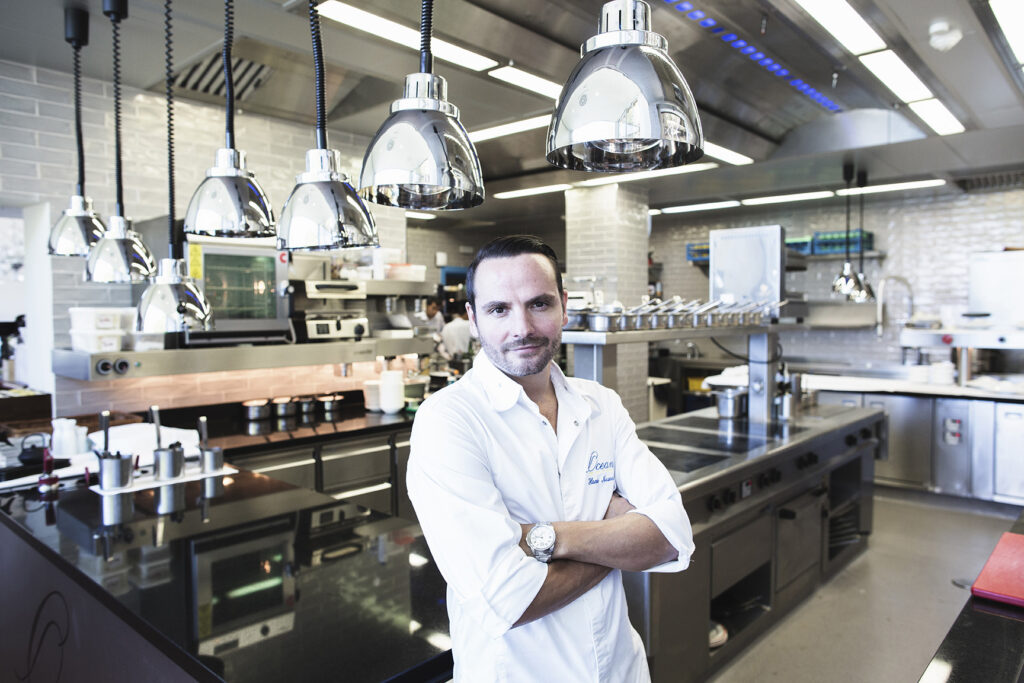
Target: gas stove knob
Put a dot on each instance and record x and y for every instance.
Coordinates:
(359, 330)
(729, 496)
(714, 503)
(851, 440)
(865, 433)
(801, 462)
(763, 480)
(812, 459)
(776, 475)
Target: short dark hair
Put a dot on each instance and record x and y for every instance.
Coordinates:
(507, 247)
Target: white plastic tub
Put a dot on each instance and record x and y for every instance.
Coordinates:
(101, 318)
(97, 341)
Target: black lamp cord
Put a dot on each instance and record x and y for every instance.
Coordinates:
(229, 78)
(176, 238)
(862, 181)
(115, 23)
(426, 29)
(80, 188)
(847, 220)
(318, 67)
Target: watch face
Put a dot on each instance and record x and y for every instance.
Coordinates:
(541, 537)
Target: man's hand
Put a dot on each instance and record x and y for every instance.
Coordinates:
(522, 539)
(618, 506)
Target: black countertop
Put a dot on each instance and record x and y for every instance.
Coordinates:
(985, 643)
(367, 603)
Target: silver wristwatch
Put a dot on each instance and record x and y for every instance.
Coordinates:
(541, 539)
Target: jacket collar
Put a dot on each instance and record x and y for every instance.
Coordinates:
(503, 392)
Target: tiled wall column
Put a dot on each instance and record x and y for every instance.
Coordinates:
(606, 234)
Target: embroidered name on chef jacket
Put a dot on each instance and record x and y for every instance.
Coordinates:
(599, 471)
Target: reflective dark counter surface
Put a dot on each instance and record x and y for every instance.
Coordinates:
(257, 580)
(985, 643)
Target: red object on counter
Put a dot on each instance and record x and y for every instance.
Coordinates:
(1002, 577)
(947, 339)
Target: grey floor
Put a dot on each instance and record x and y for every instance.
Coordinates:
(883, 616)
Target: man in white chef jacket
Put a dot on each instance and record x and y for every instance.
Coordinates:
(534, 492)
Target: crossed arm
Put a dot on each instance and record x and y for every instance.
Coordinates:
(586, 551)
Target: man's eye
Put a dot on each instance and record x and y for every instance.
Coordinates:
(497, 310)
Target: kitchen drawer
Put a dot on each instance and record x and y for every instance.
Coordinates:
(375, 495)
(740, 553)
(798, 537)
(910, 439)
(1009, 453)
(295, 466)
(356, 460)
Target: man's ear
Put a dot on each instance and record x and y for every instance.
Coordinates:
(472, 320)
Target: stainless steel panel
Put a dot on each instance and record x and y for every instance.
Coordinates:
(740, 553)
(983, 419)
(841, 398)
(798, 538)
(295, 466)
(355, 461)
(910, 439)
(1009, 451)
(952, 432)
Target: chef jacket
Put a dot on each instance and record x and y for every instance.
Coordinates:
(456, 335)
(483, 460)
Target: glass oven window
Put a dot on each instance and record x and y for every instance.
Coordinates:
(240, 287)
(247, 584)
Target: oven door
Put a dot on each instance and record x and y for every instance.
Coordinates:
(243, 586)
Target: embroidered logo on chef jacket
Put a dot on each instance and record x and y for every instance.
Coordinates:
(599, 471)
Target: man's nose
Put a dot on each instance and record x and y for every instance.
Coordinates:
(522, 322)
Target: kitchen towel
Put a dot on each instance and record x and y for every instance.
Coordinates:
(1002, 577)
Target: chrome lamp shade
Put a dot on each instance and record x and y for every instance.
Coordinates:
(119, 256)
(77, 229)
(848, 283)
(626, 106)
(422, 158)
(230, 202)
(173, 302)
(323, 211)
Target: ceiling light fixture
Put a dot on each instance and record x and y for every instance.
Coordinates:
(172, 302)
(79, 227)
(626, 105)
(120, 255)
(893, 187)
(727, 155)
(530, 191)
(1010, 16)
(646, 175)
(653, 212)
(937, 116)
(527, 81)
(380, 27)
(422, 157)
(510, 128)
(944, 36)
(785, 198)
(420, 216)
(229, 202)
(323, 211)
(845, 25)
(896, 75)
(707, 206)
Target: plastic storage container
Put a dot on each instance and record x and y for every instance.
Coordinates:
(101, 318)
(96, 341)
(410, 272)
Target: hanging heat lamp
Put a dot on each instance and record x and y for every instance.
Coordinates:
(847, 281)
(323, 211)
(865, 293)
(422, 157)
(626, 105)
(120, 255)
(79, 227)
(230, 202)
(173, 302)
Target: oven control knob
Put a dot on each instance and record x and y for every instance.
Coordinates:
(812, 459)
(264, 630)
(763, 480)
(714, 503)
(865, 433)
(801, 462)
(359, 330)
(851, 440)
(776, 476)
(729, 496)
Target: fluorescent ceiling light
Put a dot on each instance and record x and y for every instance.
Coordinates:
(645, 175)
(687, 208)
(653, 212)
(892, 187)
(896, 76)
(543, 189)
(401, 34)
(420, 216)
(783, 198)
(1010, 15)
(510, 128)
(845, 25)
(938, 118)
(727, 155)
(541, 86)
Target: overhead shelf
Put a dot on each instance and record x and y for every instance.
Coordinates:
(588, 338)
(82, 365)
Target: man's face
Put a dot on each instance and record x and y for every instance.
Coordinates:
(432, 309)
(518, 314)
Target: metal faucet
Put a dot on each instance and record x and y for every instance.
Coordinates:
(880, 301)
(692, 350)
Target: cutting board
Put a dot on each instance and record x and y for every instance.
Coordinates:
(1002, 577)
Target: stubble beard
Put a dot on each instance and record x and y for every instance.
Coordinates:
(527, 366)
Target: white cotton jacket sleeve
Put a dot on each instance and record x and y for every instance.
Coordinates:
(643, 480)
(470, 532)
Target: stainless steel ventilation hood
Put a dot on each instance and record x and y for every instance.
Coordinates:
(797, 144)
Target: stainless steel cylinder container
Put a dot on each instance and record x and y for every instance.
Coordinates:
(115, 471)
(168, 463)
(212, 459)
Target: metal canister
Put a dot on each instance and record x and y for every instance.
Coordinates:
(115, 471)
(169, 463)
(212, 459)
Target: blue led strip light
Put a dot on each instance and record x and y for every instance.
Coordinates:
(752, 52)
